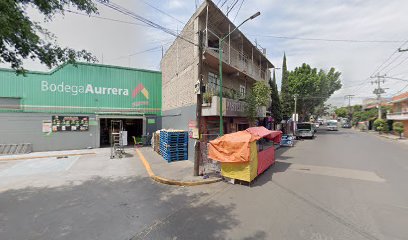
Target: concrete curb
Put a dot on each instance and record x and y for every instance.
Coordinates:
(47, 156)
(170, 181)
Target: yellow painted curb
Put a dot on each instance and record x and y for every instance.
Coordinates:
(49, 156)
(169, 181)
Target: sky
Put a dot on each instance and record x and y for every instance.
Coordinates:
(308, 31)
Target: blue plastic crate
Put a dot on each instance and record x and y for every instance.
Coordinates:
(175, 157)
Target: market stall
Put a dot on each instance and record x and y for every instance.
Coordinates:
(245, 154)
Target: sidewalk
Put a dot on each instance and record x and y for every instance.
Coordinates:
(389, 136)
(178, 171)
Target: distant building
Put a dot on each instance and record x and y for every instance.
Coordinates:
(243, 64)
(399, 112)
(370, 103)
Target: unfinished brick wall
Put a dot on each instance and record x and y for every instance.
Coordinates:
(179, 70)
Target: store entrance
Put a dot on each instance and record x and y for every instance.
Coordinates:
(134, 127)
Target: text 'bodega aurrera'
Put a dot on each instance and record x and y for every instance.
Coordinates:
(82, 89)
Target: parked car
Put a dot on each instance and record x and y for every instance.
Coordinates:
(332, 125)
(346, 125)
(305, 130)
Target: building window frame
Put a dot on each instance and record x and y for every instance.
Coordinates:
(242, 91)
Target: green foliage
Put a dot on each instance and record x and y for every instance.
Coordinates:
(286, 97)
(342, 112)
(21, 38)
(313, 87)
(262, 93)
(398, 127)
(365, 115)
(380, 125)
(275, 108)
(322, 110)
(259, 95)
(207, 97)
(251, 109)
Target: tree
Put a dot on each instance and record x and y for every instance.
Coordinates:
(286, 97)
(258, 96)
(380, 125)
(21, 38)
(275, 107)
(342, 112)
(313, 87)
(399, 128)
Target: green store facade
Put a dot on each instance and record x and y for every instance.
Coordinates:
(72, 107)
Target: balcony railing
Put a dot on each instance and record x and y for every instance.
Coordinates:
(240, 61)
(398, 116)
(230, 108)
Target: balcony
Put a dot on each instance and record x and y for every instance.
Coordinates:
(398, 116)
(235, 61)
(230, 108)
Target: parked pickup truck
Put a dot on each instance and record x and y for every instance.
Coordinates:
(305, 130)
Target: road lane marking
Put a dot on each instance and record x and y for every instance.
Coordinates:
(335, 172)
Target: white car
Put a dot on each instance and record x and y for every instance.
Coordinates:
(332, 125)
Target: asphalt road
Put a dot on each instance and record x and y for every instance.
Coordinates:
(341, 185)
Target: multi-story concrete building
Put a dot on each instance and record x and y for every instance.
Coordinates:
(399, 112)
(243, 64)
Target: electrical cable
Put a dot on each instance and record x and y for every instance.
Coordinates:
(232, 7)
(163, 12)
(395, 66)
(129, 13)
(238, 10)
(328, 40)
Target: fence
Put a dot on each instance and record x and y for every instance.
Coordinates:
(208, 166)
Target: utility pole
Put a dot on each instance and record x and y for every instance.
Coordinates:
(402, 50)
(378, 91)
(197, 152)
(350, 96)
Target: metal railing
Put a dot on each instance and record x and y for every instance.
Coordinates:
(240, 61)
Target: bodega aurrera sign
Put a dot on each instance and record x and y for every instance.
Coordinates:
(82, 89)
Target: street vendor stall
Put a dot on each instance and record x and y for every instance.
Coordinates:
(245, 154)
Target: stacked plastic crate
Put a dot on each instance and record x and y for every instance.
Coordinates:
(174, 145)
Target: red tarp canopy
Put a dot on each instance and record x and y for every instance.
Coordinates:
(262, 132)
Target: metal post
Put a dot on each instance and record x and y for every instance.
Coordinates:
(379, 97)
(294, 117)
(220, 94)
(220, 62)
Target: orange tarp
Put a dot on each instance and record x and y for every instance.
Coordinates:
(265, 133)
(232, 148)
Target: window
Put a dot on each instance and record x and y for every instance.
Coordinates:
(213, 82)
(10, 103)
(242, 91)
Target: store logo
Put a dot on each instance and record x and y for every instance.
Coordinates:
(140, 89)
(82, 89)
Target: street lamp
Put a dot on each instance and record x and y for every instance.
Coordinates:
(220, 52)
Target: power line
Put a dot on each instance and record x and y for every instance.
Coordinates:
(379, 67)
(163, 12)
(395, 66)
(223, 3)
(238, 10)
(328, 40)
(111, 19)
(140, 52)
(232, 7)
(400, 79)
(129, 13)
